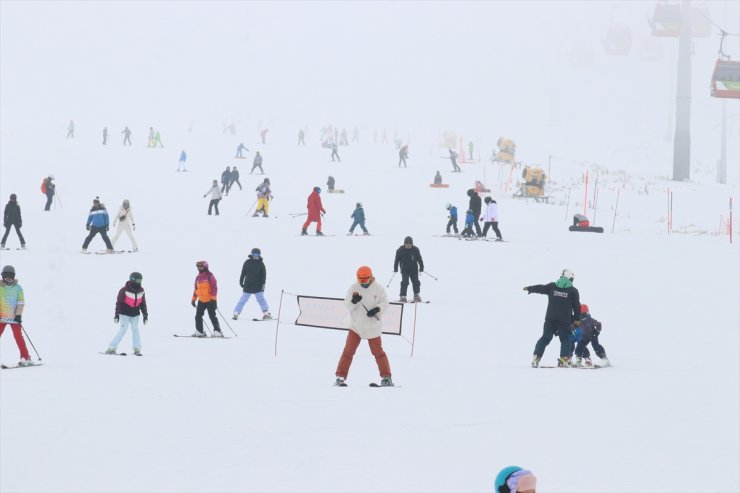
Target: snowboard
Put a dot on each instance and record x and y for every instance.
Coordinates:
(587, 229)
(263, 319)
(112, 253)
(439, 185)
(336, 190)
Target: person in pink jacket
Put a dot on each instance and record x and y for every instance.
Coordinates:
(315, 212)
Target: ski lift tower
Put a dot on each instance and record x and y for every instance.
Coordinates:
(682, 136)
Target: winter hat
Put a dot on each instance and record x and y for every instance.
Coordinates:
(266, 180)
(9, 269)
(256, 252)
(488, 200)
(471, 192)
(408, 241)
(135, 277)
(358, 205)
(317, 189)
(51, 177)
(202, 263)
(96, 200)
(126, 203)
(13, 196)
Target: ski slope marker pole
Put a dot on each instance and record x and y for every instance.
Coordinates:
(277, 324)
(585, 196)
(730, 224)
(413, 337)
(567, 205)
(30, 341)
(615, 210)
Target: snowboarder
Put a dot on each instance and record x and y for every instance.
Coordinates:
(226, 180)
(252, 280)
(158, 140)
(263, 134)
(240, 149)
(590, 330)
(235, 178)
(264, 195)
(452, 223)
(257, 163)
(366, 301)
(437, 179)
(71, 130)
(453, 160)
(205, 292)
(475, 205)
(315, 212)
(105, 135)
(130, 304)
(563, 309)
(12, 303)
(215, 197)
(98, 222)
(358, 216)
(468, 228)
(490, 218)
(126, 222)
(514, 479)
(181, 162)
(301, 137)
(150, 138)
(334, 152)
(12, 218)
(126, 135)
(408, 257)
(330, 183)
(403, 154)
(48, 188)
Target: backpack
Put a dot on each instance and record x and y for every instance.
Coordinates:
(43, 186)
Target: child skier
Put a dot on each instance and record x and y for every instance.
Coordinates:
(125, 220)
(12, 302)
(469, 221)
(366, 301)
(359, 219)
(264, 194)
(215, 197)
(437, 179)
(252, 280)
(452, 223)
(12, 218)
(98, 222)
(205, 291)
(130, 303)
(590, 330)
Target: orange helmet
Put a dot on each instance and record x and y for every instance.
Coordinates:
(364, 273)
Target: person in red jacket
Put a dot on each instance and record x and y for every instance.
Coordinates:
(315, 212)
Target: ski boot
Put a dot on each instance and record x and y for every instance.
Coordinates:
(256, 214)
(365, 234)
(217, 333)
(198, 333)
(605, 362)
(417, 298)
(304, 232)
(266, 316)
(25, 362)
(577, 361)
(110, 350)
(235, 316)
(137, 351)
(587, 362)
(563, 362)
(108, 250)
(339, 382)
(265, 215)
(84, 250)
(386, 382)
(319, 233)
(535, 361)
(402, 299)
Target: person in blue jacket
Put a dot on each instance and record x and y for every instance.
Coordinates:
(469, 221)
(452, 223)
(359, 219)
(98, 222)
(181, 163)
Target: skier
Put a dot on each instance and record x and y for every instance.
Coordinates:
(12, 303)
(366, 301)
(205, 292)
(181, 162)
(235, 178)
(471, 147)
(264, 194)
(403, 154)
(71, 130)
(126, 222)
(158, 140)
(315, 212)
(330, 183)
(514, 479)
(48, 188)
(130, 303)
(252, 280)
(384, 138)
(453, 160)
(12, 218)
(468, 228)
(475, 205)
(563, 309)
(263, 134)
(359, 219)
(105, 135)
(490, 218)
(240, 149)
(97, 222)
(334, 152)
(355, 135)
(226, 180)
(437, 179)
(408, 257)
(590, 330)
(126, 136)
(215, 197)
(301, 137)
(150, 138)
(452, 223)
(257, 163)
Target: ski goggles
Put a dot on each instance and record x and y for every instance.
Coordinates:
(364, 281)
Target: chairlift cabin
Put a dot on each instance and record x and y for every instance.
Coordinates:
(666, 20)
(618, 40)
(726, 79)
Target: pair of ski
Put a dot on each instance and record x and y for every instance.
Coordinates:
(118, 354)
(5, 367)
(316, 236)
(103, 252)
(19, 248)
(202, 337)
(595, 367)
(371, 384)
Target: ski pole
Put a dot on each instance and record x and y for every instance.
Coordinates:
(250, 207)
(30, 341)
(227, 323)
(294, 215)
(427, 273)
(57, 196)
(208, 328)
(389, 282)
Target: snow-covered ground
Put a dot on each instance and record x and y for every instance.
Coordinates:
(230, 415)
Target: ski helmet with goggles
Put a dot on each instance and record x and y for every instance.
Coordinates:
(364, 273)
(135, 277)
(202, 263)
(256, 252)
(9, 271)
(568, 274)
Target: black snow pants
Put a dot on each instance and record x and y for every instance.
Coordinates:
(452, 223)
(103, 234)
(548, 331)
(414, 276)
(582, 347)
(200, 309)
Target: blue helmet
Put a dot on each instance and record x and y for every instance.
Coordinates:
(317, 189)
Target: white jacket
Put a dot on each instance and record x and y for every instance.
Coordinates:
(127, 214)
(215, 192)
(491, 213)
(372, 296)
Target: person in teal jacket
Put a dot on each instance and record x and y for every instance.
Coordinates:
(359, 219)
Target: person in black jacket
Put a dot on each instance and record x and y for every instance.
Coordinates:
(563, 309)
(475, 206)
(590, 329)
(252, 280)
(408, 257)
(235, 178)
(12, 217)
(226, 180)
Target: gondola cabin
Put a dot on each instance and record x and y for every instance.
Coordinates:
(726, 79)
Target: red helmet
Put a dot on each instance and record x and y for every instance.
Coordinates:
(584, 308)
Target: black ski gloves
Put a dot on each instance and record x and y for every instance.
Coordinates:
(146, 319)
(18, 319)
(115, 319)
(193, 303)
(373, 312)
(356, 297)
(527, 290)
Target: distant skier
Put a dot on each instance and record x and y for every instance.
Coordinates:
(240, 149)
(334, 152)
(263, 134)
(215, 197)
(453, 160)
(252, 281)
(105, 135)
(475, 205)
(226, 180)
(437, 179)
(330, 183)
(355, 135)
(150, 138)
(590, 331)
(384, 138)
(126, 135)
(181, 163)
(12, 219)
(563, 309)
(490, 218)
(366, 301)
(403, 154)
(48, 188)
(315, 212)
(71, 130)
(452, 222)
(264, 195)
(97, 223)
(408, 257)
(235, 178)
(205, 293)
(12, 302)
(126, 223)
(343, 138)
(301, 138)
(158, 140)
(468, 228)
(471, 147)
(130, 304)
(358, 216)
(257, 163)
